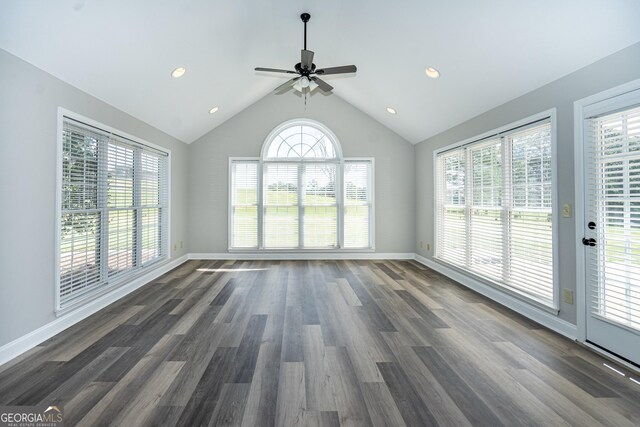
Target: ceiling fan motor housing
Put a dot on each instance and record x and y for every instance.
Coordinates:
(304, 71)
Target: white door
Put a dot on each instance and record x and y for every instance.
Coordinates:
(612, 224)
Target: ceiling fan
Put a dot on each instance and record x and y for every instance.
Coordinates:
(306, 69)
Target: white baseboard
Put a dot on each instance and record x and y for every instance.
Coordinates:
(542, 317)
(299, 255)
(43, 333)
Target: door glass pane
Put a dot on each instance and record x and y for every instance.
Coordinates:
(617, 197)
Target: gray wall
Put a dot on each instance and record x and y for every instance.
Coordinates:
(611, 71)
(243, 136)
(29, 99)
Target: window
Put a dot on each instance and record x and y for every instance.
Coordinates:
(301, 194)
(113, 210)
(494, 214)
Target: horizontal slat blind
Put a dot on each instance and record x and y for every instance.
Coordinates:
(357, 203)
(451, 215)
(530, 212)
(120, 208)
(280, 192)
(614, 182)
(244, 204)
(81, 222)
(494, 210)
(154, 196)
(486, 210)
(320, 206)
(114, 208)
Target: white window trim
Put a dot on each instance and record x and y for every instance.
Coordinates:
(579, 115)
(117, 282)
(547, 114)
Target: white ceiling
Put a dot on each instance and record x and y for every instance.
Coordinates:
(488, 52)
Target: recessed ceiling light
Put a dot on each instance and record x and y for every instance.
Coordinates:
(213, 110)
(391, 110)
(432, 72)
(178, 72)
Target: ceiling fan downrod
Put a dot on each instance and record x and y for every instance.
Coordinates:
(305, 18)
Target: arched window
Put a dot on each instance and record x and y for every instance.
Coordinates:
(301, 194)
(301, 140)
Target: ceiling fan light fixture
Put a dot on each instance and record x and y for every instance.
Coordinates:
(312, 85)
(302, 83)
(213, 110)
(432, 72)
(391, 110)
(178, 72)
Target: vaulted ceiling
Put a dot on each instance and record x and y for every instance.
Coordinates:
(487, 52)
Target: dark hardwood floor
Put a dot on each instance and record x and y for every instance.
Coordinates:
(317, 343)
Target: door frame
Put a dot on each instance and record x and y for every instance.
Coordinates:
(579, 202)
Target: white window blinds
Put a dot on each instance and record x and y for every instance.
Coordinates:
(451, 215)
(301, 205)
(320, 204)
(530, 213)
(357, 204)
(281, 216)
(114, 211)
(614, 186)
(244, 204)
(494, 210)
(486, 220)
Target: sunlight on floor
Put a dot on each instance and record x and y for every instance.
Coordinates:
(215, 270)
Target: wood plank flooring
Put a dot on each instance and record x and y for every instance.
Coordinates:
(263, 343)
